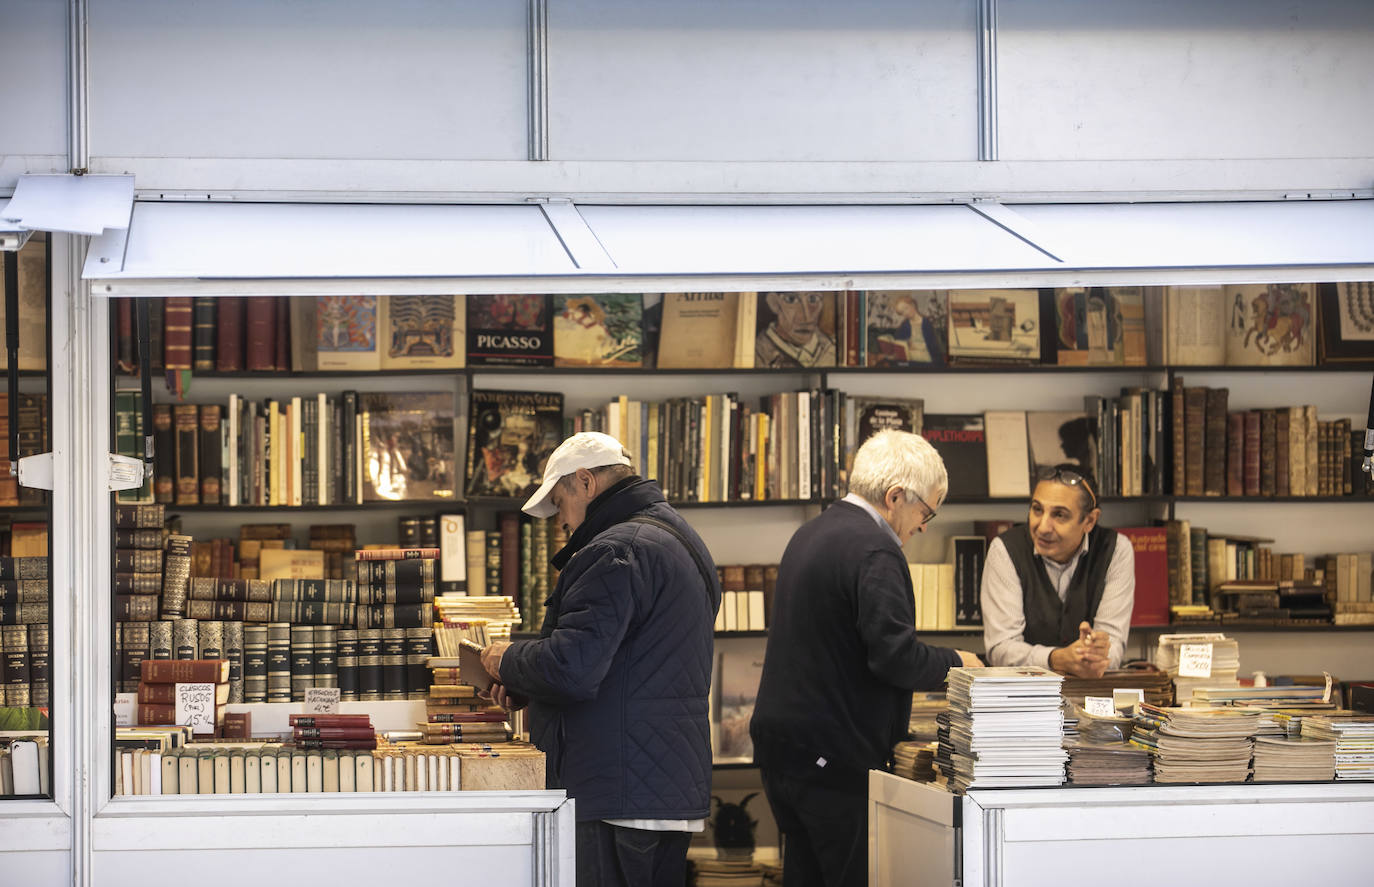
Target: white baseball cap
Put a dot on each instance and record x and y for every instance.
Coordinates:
(586, 449)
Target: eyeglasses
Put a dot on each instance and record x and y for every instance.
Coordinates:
(1070, 478)
(930, 512)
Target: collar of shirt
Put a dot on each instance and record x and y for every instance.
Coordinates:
(856, 499)
(1058, 572)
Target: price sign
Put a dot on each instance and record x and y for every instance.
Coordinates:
(321, 700)
(125, 704)
(1099, 705)
(1195, 661)
(196, 707)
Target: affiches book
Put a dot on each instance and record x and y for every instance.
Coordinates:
(408, 450)
(510, 436)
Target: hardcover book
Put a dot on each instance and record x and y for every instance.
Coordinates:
(1347, 320)
(1057, 437)
(794, 329)
(961, 441)
(1151, 545)
(510, 434)
(346, 333)
(598, 329)
(906, 327)
(509, 329)
(1008, 454)
(1263, 325)
(700, 331)
(1100, 326)
(866, 416)
(994, 325)
(408, 446)
(423, 332)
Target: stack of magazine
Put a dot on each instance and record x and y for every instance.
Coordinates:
(1005, 728)
(1222, 662)
(1287, 759)
(1354, 738)
(1099, 753)
(1197, 744)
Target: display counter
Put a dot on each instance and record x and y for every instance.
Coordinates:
(1186, 834)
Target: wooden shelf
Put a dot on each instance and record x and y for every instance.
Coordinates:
(407, 505)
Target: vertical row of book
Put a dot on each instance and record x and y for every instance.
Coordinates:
(25, 636)
(513, 561)
(34, 438)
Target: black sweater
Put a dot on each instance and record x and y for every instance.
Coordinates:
(842, 656)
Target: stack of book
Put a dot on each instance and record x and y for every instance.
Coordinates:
(454, 712)
(1222, 660)
(1108, 763)
(1005, 727)
(914, 760)
(412, 768)
(396, 587)
(24, 633)
(1285, 759)
(1354, 738)
(332, 731)
(157, 687)
(338, 542)
(1197, 744)
(1271, 701)
(24, 764)
(727, 873)
(497, 613)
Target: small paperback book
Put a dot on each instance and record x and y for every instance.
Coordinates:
(510, 434)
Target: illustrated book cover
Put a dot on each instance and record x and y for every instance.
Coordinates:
(699, 331)
(407, 445)
(795, 329)
(510, 330)
(994, 326)
(598, 329)
(1100, 325)
(423, 332)
(510, 436)
(906, 327)
(961, 441)
(346, 333)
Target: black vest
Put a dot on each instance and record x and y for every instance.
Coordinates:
(1048, 620)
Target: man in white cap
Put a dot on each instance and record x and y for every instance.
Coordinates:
(617, 682)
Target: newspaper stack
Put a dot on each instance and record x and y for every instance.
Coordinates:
(1197, 744)
(1282, 759)
(1223, 655)
(1272, 701)
(1005, 727)
(1354, 738)
(1108, 763)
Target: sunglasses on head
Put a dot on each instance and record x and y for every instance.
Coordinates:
(1071, 478)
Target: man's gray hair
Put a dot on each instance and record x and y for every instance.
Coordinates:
(612, 474)
(899, 459)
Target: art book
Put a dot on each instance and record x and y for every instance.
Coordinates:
(961, 441)
(1261, 325)
(407, 445)
(700, 331)
(866, 416)
(906, 327)
(1058, 437)
(346, 333)
(598, 329)
(794, 329)
(510, 330)
(510, 435)
(994, 326)
(423, 332)
(1100, 326)
(1347, 319)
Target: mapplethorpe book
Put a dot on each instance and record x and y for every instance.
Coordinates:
(961, 442)
(408, 450)
(510, 330)
(510, 434)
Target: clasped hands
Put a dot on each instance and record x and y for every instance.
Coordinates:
(1085, 657)
(498, 694)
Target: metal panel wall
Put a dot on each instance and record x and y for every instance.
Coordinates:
(768, 80)
(1178, 79)
(407, 80)
(33, 101)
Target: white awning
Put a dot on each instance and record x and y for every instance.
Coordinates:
(67, 203)
(226, 248)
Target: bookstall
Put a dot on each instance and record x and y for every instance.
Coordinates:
(523, 149)
(1261, 834)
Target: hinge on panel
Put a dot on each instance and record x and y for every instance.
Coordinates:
(126, 473)
(35, 472)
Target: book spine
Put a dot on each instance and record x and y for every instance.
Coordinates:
(40, 665)
(1195, 439)
(203, 335)
(233, 651)
(1214, 458)
(260, 334)
(192, 671)
(186, 420)
(1282, 477)
(18, 676)
(1235, 454)
(185, 639)
(369, 664)
(279, 662)
(160, 640)
(419, 647)
(282, 312)
(393, 663)
(347, 641)
(350, 455)
(302, 660)
(327, 656)
(176, 575)
(1267, 445)
(135, 607)
(255, 663)
(176, 333)
(229, 334)
(209, 456)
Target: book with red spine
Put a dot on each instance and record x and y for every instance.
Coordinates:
(176, 333)
(229, 334)
(260, 333)
(185, 671)
(304, 720)
(299, 733)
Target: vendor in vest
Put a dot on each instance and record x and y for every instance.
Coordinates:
(1058, 589)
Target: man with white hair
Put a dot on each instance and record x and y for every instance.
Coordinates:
(843, 658)
(617, 682)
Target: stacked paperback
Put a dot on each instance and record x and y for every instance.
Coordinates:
(1208, 659)
(1285, 759)
(914, 761)
(1197, 744)
(1157, 686)
(1005, 728)
(1354, 738)
(1099, 753)
(496, 613)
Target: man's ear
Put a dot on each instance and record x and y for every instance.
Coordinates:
(1091, 520)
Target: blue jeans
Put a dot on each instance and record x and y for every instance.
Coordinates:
(614, 856)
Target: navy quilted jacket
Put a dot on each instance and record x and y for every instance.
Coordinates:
(618, 680)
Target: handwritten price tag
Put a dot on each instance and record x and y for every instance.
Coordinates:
(1099, 705)
(1195, 661)
(196, 707)
(322, 700)
(125, 704)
